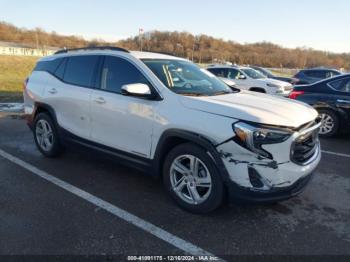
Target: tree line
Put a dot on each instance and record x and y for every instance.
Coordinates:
(199, 48)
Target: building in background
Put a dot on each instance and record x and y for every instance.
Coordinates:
(8, 48)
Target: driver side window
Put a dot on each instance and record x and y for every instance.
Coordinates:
(233, 74)
(117, 72)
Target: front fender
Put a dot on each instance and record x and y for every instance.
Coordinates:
(166, 143)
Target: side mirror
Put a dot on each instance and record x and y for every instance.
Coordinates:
(139, 90)
(242, 77)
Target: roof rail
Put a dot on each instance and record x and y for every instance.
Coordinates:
(112, 48)
(161, 52)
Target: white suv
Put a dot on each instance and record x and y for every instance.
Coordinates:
(250, 79)
(167, 116)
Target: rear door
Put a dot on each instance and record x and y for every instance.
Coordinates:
(121, 122)
(70, 93)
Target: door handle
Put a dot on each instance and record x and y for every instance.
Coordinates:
(343, 101)
(100, 100)
(53, 91)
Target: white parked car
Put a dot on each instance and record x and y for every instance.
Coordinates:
(166, 116)
(250, 79)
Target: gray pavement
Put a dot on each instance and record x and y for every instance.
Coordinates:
(37, 217)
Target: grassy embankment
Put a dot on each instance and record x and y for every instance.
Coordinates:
(13, 71)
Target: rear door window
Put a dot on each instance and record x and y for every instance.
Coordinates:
(80, 70)
(219, 72)
(342, 85)
(316, 73)
(346, 86)
(59, 73)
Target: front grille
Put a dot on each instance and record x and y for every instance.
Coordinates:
(305, 147)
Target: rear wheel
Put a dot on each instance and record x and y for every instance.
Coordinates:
(46, 136)
(330, 123)
(192, 179)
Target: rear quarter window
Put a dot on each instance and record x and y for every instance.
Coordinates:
(48, 66)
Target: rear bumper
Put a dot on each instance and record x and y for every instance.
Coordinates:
(29, 114)
(237, 193)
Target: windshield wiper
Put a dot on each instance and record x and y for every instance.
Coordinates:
(190, 94)
(222, 93)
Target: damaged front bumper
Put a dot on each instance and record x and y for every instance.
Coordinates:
(258, 179)
(238, 193)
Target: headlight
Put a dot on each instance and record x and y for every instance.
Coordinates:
(253, 137)
(273, 85)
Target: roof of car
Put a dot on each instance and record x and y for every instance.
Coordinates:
(151, 55)
(320, 69)
(227, 66)
(346, 75)
(105, 51)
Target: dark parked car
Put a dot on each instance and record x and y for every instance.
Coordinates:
(269, 74)
(331, 98)
(309, 76)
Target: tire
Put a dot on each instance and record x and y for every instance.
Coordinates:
(258, 90)
(211, 196)
(46, 136)
(328, 116)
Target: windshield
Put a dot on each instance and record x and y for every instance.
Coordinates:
(186, 78)
(264, 71)
(253, 73)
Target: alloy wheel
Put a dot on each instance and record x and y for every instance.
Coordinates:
(44, 135)
(327, 124)
(190, 179)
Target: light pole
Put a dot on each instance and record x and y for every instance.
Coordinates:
(140, 37)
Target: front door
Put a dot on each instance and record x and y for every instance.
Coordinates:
(121, 122)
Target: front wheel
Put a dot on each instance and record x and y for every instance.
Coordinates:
(192, 179)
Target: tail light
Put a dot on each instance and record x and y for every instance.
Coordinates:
(295, 94)
(25, 82)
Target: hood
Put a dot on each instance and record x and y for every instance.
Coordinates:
(254, 107)
(275, 81)
(228, 82)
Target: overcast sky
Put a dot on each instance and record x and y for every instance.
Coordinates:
(320, 24)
